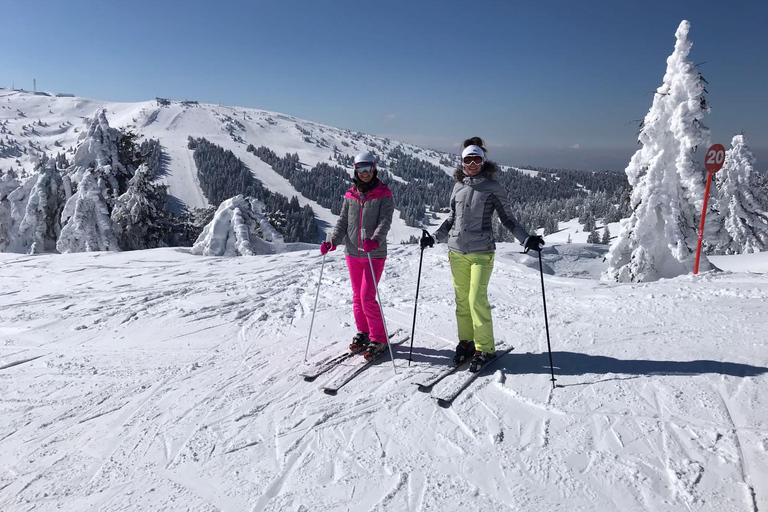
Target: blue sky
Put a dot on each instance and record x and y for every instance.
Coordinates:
(552, 83)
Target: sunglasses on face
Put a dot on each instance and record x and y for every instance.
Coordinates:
(364, 168)
(477, 160)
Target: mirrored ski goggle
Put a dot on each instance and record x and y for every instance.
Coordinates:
(364, 167)
(477, 160)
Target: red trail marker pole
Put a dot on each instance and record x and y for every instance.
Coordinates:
(713, 162)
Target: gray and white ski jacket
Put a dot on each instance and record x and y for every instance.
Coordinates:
(473, 201)
(365, 216)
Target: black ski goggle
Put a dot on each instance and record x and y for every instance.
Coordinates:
(364, 168)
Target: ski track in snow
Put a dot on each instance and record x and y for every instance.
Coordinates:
(156, 380)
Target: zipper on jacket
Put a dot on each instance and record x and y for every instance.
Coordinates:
(360, 227)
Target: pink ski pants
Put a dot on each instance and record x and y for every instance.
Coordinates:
(367, 312)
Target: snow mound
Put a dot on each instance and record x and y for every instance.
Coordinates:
(239, 228)
(586, 261)
(583, 261)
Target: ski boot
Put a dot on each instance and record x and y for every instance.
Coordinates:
(464, 350)
(374, 349)
(480, 360)
(359, 342)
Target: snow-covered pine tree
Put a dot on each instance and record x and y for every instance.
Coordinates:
(86, 222)
(104, 162)
(8, 183)
(593, 237)
(188, 226)
(37, 210)
(140, 212)
(606, 239)
(100, 147)
(659, 238)
(742, 204)
(550, 225)
(588, 220)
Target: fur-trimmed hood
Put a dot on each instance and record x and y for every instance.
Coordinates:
(490, 170)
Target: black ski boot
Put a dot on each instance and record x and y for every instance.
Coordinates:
(479, 361)
(359, 342)
(464, 350)
(374, 349)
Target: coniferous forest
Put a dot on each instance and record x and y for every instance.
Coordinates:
(223, 175)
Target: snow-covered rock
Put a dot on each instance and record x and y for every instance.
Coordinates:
(239, 228)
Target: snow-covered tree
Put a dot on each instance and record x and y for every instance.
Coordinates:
(86, 222)
(659, 238)
(140, 212)
(103, 188)
(606, 239)
(99, 148)
(593, 237)
(8, 183)
(550, 225)
(588, 220)
(36, 210)
(742, 204)
(239, 228)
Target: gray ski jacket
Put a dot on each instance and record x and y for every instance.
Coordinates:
(365, 216)
(473, 201)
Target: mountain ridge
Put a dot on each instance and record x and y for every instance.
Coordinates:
(47, 124)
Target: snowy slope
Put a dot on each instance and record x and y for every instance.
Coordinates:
(576, 231)
(231, 127)
(157, 380)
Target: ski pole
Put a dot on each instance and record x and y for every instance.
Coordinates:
(416, 302)
(381, 308)
(314, 308)
(546, 323)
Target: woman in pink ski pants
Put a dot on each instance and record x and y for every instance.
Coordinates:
(363, 224)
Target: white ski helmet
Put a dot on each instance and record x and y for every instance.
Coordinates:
(365, 157)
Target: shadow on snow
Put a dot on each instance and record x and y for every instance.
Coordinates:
(574, 363)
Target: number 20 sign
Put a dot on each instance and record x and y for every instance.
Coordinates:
(713, 162)
(715, 158)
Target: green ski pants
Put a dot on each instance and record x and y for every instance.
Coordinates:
(471, 273)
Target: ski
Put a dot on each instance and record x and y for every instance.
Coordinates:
(446, 400)
(332, 389)
(426, 387)
(326, 366)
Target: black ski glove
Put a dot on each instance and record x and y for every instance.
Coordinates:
(427, 240)
(533, 242)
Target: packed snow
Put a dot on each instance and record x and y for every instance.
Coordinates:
(160, 380)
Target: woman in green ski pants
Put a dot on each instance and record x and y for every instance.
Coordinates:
(475, 197)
